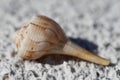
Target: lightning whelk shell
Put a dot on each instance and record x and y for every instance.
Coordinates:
(44, 36)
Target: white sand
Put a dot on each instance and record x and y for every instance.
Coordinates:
(96, 23)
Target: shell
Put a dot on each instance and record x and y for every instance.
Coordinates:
(44, 36)
(38, 37)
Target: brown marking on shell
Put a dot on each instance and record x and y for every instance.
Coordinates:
(19, 35)
(45, 44)
(33, 54)
(39, 26)
(21, 38)
(29, 55)
(37, 42)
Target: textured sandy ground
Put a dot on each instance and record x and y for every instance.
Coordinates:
(92, 24)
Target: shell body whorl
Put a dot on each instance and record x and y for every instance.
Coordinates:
(38, 37)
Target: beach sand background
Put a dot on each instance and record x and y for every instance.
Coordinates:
(92, 24)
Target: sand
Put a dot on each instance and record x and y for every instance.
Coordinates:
(92, 24)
